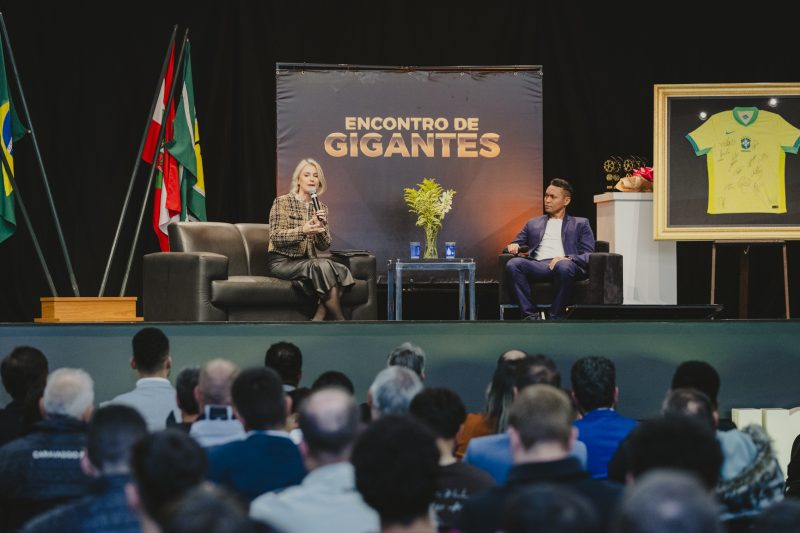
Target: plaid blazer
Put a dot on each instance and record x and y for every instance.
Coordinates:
(286, 220)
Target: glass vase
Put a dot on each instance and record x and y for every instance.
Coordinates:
(431, 252)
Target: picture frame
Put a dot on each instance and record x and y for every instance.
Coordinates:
(751, 189)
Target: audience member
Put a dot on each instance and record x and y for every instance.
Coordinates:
(547, 508)
(185, 384)
(499, 396)
(154, 396)
(267, 459)
(443, 411)
(492, 453)
(164, 467)
(410, 356)
(664, 501)
(286, 359)
(329, 420)
(392, 391)
(677, 443)
(42, 469)
(113, 430)
(216, 424)
(701, 376)
(601, 428)
(396, 461)
(541, 432)
(783, 517)
(750, 478)
(333, 378)
(209, 509)
(24, 372)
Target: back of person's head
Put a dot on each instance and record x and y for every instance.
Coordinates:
(396, 463)
(782, 517)
(697, 375)
(214, 382)
(150, 350)
(286, 359)
(536, 370)
(542, 414)
(665, 501)
(165, 466)
(410, 356)
(689, 403)
(185, 384)
(441, 410)
(259, 398)
(205, 509)
(392, 391)
(501, 390)
(549, 508)
(23, 371)
(329, 419)
(678, 443)
(113, 430)
(69, 392)
(333, 378)
(594, 382)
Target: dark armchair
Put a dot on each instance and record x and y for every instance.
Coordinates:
(602, 287)
(218, 272)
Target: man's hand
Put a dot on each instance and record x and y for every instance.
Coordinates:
(554, 261)
(513, 248)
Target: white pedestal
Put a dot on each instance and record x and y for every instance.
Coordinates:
(625, 220)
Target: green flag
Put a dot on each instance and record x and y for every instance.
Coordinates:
(185, 148)
(11, 130)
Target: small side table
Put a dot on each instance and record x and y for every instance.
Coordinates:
(394, 282)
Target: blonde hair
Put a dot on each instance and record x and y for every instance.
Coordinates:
(299, 168)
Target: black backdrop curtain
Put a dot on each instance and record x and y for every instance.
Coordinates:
(89, 72)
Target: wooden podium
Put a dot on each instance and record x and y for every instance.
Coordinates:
(63, 309)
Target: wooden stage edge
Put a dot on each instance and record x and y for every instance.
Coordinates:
(758, 360)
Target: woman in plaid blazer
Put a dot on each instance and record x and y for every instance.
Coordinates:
(296, 232)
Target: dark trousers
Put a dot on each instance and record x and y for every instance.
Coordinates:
(524, 271)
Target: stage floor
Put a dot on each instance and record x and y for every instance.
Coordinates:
(759, 361)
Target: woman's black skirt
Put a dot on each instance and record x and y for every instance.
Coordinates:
(316, 275)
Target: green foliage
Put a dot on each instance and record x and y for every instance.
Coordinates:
(429, 202)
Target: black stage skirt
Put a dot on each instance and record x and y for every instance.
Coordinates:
(317, 275)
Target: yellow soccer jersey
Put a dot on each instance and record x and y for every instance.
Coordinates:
(745, 151)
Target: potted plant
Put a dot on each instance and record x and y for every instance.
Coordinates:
(430, 203)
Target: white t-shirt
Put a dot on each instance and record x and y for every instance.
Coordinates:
(551, 245)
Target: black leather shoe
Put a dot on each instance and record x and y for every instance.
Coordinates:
(532, 317)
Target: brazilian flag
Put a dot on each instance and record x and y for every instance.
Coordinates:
(11, 130)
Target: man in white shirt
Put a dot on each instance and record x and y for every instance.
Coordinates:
(559, 247)
(327, 498)
(154, 395)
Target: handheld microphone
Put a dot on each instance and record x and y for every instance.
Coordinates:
(314, 200)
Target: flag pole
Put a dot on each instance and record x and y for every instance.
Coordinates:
(27, 219)
(159, 146)
(138, 161)
(63, 244)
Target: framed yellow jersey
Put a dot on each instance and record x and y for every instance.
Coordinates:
(745, 151)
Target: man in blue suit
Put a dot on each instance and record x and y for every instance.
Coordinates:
(559, 247)
(267, 459)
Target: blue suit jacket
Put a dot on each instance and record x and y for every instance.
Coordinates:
(576, 236)
(258, 464)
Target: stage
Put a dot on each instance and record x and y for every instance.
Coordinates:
(759, 361)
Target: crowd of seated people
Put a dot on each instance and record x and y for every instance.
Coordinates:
(254, 450)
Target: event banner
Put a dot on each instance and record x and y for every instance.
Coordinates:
(377, 131)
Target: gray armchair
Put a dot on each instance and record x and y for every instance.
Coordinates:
(602, 287)
(218, 272)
